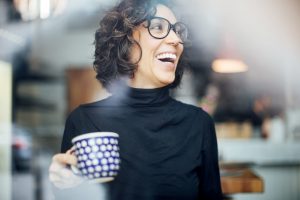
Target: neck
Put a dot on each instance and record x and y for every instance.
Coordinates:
(143, 85)
(141, 96)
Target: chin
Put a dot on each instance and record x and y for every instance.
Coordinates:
(167, 80)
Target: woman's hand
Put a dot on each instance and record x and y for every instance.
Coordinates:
(59, 172)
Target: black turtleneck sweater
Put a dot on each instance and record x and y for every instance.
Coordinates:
(168, 149)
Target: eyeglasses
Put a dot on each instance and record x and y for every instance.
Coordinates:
(159, 28)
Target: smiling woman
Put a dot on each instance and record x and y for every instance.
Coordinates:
(126, 28)
(168, 149)
(161, 53)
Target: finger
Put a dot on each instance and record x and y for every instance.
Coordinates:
(64, 175)
(61, 174)
(67, 174)
(65, 179)
(64, 185)
(55, 167)
(71, 151)
(61, 185)
(58, 181)
(54, 178)
(65, 159)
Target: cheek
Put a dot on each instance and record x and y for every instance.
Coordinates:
(181, 51)
(148, 53)
(149, 44)
(135, 53)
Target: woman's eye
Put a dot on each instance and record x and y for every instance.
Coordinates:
(178, 32)
(156, 27)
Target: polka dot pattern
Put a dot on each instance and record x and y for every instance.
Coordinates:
(98, 157)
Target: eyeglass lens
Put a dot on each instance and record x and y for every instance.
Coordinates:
(160, 28)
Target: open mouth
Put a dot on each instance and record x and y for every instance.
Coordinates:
(167, 57)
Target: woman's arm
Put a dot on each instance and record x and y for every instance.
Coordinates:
(209, 174)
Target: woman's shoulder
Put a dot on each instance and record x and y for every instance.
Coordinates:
(99, 103)
(193, 110)
(86, 106)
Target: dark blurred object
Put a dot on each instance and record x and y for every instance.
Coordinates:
(22, 74)
(12, 12)
(234, 102)
(21, 150)
(264, 109)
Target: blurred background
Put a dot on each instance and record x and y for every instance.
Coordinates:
(243, 70)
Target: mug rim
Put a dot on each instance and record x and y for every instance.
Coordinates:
(94, 134)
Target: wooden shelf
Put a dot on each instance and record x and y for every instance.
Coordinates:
(241, 181)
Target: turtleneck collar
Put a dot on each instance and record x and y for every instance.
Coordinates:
(142, 97)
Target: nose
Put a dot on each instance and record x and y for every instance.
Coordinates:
(173, 38)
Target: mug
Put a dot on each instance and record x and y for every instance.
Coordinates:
(98, 158)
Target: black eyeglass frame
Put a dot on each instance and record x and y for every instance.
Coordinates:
(171, 26)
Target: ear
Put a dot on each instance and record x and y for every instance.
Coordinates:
(136, 34)
(135, 48)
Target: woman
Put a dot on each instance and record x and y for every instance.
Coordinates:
(168, 149)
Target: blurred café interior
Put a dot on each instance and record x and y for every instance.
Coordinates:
(243, 70)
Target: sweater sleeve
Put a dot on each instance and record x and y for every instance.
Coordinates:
(76, 124)
(73, 127)
(68, 135)
(209, 175)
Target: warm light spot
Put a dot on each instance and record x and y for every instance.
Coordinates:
(229, 66)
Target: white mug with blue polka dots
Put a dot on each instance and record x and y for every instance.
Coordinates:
(98, 158)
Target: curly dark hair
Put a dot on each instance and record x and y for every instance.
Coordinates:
(113, 41)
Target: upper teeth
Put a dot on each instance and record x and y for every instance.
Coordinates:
(166, 55)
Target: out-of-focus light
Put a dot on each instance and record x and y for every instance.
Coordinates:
(44, 9)
(39, 9)
(228, 59)
(229, 66)
(60, 7)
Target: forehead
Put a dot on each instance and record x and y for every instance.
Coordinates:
(165, 12)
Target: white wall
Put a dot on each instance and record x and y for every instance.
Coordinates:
(63, 41)
(56, 48)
